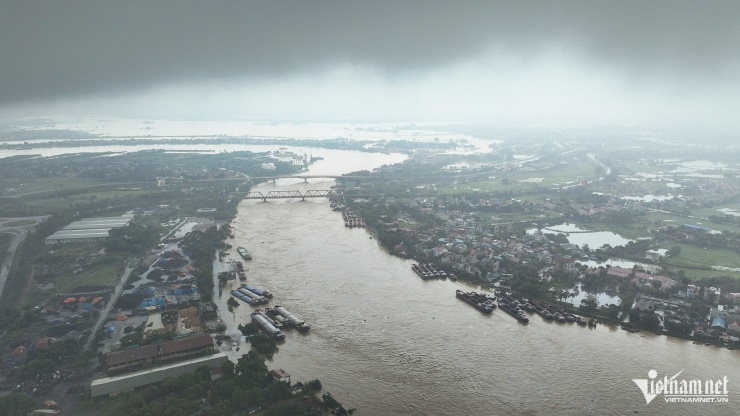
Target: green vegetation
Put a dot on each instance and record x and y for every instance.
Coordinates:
(263, 344)
(244, 386)
(16, 404)
(201, 247)
(248, 329)
(132, 239)
(691, 256)
(71, 265)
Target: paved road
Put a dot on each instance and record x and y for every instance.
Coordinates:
(106, 310)
(19, 232)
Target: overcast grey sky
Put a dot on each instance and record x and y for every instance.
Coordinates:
(600, 62)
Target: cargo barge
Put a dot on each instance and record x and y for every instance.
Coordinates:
(244, 253)
(511, 306)
(428, 271)
(352, 220)
(266, 326)
(276, 323)
(479, 301)
(258, 291)
(244, 298)
(297, 322)
(260, 300)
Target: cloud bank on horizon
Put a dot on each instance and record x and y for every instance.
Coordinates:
(565, 62)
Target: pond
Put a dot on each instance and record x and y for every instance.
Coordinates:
(602, 297)
(579, 236)
(627, 264)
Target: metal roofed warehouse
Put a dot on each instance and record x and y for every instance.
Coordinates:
(127, 382)
(88, 230)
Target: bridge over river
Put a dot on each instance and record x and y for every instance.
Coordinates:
(301, 195)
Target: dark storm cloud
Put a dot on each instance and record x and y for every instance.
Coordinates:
(58, 49)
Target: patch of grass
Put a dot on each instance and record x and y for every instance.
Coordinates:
(677, 220)
(510, 217)
(107, 271)
(562, 174)
(75, 249)
(699, 274)
(28, 185)
(693, 256)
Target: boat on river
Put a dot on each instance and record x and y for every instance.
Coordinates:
(244, 253)
(476, 300)
(512, 308)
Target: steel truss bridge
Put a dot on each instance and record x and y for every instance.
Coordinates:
(299, 194)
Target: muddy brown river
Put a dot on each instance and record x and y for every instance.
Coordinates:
(386, 342)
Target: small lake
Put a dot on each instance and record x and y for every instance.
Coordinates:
(602, 297)
(626, 264)
(579, 236)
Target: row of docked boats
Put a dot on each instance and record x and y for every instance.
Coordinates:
(272, 320)
(516, 307)
(352, 220)
(251, 295)
(480, 301)
(428, 271)
(513, 306)
(552, 312)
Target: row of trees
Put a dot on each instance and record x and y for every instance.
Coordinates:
(201, 247)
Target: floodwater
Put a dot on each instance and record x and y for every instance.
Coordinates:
(579, 236)
(627, 264)
(386, 342)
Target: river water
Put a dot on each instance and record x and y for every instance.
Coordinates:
(386, 342)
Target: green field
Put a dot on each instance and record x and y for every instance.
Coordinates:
(81, 264)
(693, 256)
(705, 212)
(669, 219)
(561, 174)
(28, 185)
(505, 218)
(49, 205)
(699, 274)
(106, 274)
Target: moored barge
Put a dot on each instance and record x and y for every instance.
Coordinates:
(512, 308)
(476, 300)
(266, 326)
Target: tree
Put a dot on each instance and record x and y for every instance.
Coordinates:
(589, 304)
(674, 251)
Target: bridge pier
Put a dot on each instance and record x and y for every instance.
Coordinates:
(273, 181)
(305, 180)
